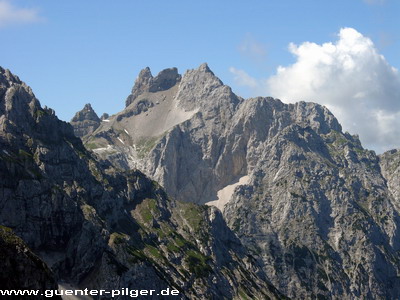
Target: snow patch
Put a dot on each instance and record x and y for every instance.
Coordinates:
(224, 195)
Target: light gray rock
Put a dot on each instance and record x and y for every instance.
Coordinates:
(390, 166)
(317, 212)
(99, 228)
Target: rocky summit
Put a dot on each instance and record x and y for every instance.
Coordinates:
(85, 121)
(89, 225)
(318, 211)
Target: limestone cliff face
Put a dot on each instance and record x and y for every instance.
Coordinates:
(85, 121)
(175, 135)
(102, 229)
(319, 215)
(390, 166)
(317, 211)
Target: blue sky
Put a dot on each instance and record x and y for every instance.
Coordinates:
(75, 52)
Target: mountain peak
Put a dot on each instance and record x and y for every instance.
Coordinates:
(166, 79)
(85, 121)
(144, 75)
(145, 82)
(87, 113)
(204, 68)
(203, 72)
(19, 101)
(202, 88)
(7, 78)
(88, 107)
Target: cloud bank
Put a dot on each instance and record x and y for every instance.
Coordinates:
(11, 15)
(348, 76)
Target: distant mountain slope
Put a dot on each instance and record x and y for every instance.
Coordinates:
(315, 207)
(98, 228)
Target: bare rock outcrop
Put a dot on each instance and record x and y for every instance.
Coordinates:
(85, 121)
(147, 83)
(390, 166)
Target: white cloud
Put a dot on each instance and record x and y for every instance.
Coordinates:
(351, 78)
(244, 79)
(252, 49)
(10, 14)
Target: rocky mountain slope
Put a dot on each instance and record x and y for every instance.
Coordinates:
(193, 113)
(318, 213)
(98, 228)
(390, 166)
(311, 203)
(21, 269)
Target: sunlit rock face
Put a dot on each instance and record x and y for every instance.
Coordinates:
(318, 210)
(97, 227)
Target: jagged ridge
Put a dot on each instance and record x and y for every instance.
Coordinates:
(101, 229)
(316, 211)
